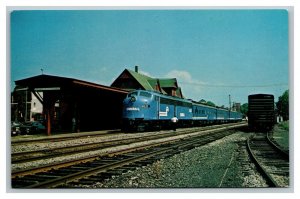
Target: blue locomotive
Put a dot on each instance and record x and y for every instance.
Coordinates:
(149, 109)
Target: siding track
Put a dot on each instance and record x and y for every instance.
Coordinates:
(271, 161)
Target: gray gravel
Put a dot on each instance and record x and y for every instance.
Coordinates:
(73, 142)
(217, 164)
(76, 141)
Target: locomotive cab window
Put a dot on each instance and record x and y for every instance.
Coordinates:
(145, 94)
(132, 94)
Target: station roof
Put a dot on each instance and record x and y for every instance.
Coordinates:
(142, 79)
(149, 83)
(168, 83)
(49, 81)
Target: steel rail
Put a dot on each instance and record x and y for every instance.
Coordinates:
(278, 148)
(63, 164)
(92, 171)
(27, 156)
(72, 136)
(63, 137)
(59, 165)
(271, 181)
(22, 157)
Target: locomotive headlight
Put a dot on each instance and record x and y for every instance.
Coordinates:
(132, 99)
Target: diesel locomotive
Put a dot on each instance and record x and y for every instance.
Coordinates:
(149, 109)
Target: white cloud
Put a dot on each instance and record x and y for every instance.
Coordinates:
(183, 76)
(145, 73)
(191, 87)
(196, 89)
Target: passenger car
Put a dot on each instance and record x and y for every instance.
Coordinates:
(147, 109)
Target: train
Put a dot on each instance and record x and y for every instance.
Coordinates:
(144, 109)
(261, 112)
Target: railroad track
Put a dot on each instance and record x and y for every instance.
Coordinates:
(102, 134)
(64, 137)
(270, 160)
(94, 169)
(28, 156)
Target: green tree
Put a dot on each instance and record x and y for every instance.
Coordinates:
(209, 103)
(244, 109)
(202, 101)
(283, 105)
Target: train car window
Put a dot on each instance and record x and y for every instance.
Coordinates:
(166, 101)
(187, 104)
(132, 94)
(145, 94)
(175, 102)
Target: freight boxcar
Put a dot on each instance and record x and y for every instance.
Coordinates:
(261, 114)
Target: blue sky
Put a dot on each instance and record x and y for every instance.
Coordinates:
(212, 53)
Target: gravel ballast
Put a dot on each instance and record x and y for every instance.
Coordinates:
(92, 153)
(214, 165)
(221, 164)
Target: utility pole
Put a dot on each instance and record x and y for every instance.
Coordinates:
(229, 105)
(26, 106)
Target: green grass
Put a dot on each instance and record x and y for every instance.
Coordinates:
(281, 134)
(284, 125)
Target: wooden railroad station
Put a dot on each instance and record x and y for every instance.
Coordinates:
(72, 104)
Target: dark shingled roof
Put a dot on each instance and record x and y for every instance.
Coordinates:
(46, 81)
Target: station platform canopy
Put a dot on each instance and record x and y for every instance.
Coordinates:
(75, 105)
(47, 82)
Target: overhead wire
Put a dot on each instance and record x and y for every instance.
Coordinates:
(236, 86)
